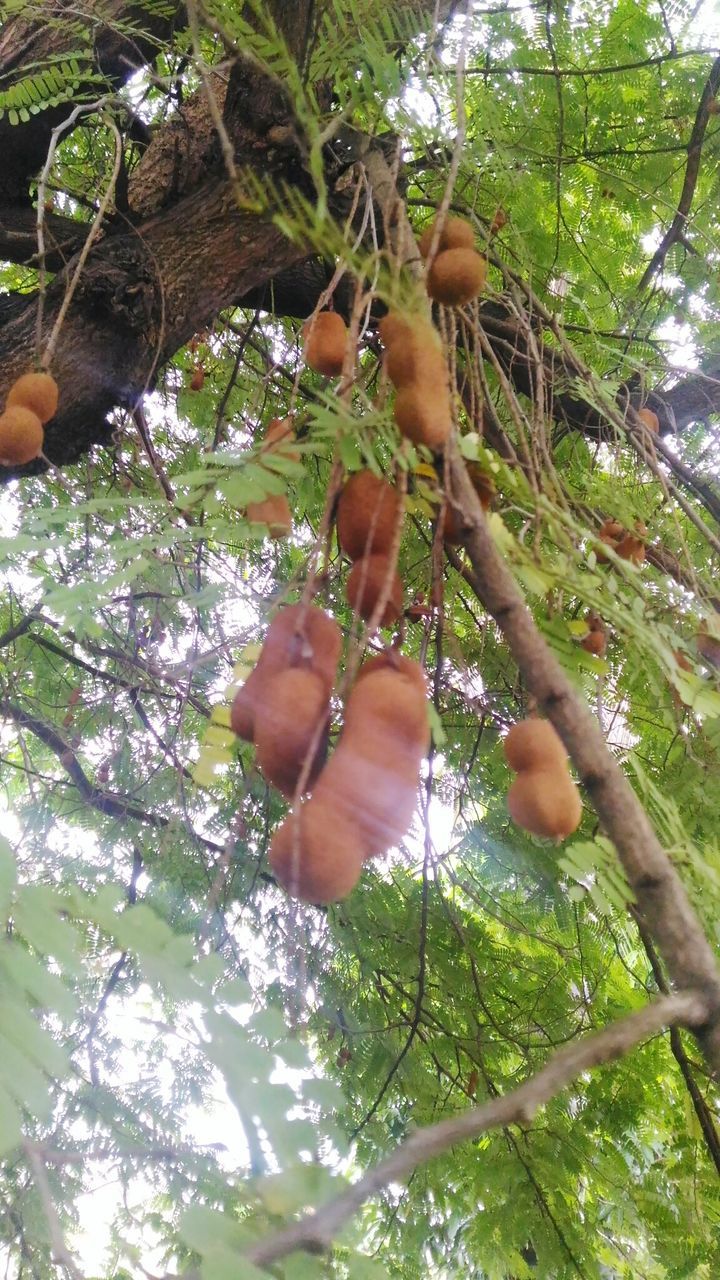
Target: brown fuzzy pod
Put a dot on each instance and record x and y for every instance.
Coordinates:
(21, 436)
(293, 707)
(279, 437)
(612, 529)
(395, 327)
(423, 415)
(326, 339)
(377, 795)
(37, 392)
(391, 704)
(594, 642)
(534, 744)
(391, 660)
(274, 511)
(317, 855)
(367, 515)
(546, 803)
(631, 548)
(416, 358)
(374, 773)
(244, 706)
(651, 420)
(456, 277)
(299, 635)
(457, 233)
(369, 579)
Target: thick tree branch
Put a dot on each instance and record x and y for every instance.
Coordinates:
(316, 1232)
(658, 889)
(18, 237)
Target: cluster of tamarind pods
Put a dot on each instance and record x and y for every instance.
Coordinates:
(31, 402)
(359, 803)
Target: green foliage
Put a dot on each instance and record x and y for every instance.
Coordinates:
(168, 1018)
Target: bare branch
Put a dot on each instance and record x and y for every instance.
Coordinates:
(316, 1232)
(679, 223)
(658, 889)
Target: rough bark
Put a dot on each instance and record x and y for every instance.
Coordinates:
(112, 37)
(146, 292)
(142, 295)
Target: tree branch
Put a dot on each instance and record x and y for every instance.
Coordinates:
(679, 223)
(316, 1232)
(657, 887)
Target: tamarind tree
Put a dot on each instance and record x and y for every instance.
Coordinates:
(496, 1057)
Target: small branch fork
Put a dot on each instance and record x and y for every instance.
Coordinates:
(316, 1232)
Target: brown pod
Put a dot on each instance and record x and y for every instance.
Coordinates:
(391, 703)
(37, 392)
(293, 706)
(273, 511)
(299, 635)
(279, 436)
(651, 420)
(374, 773)
(369, 580)
(456, 234)
(423, 415)
(612, 529)
(594, 642)
(416, 359)
(367, 515)
(534, 744)
(302, 635)
(631, 548)
(21, 436)
(244, 705)
(391, 660)
(546, 803)
(456, 277)
(376, 794)
(316, 855)
(197, 382)
(326, 338)
(395, 328)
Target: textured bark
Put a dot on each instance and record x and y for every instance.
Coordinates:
(146, 292)
(142, 295)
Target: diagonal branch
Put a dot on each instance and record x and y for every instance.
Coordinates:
(679, 223)
(316, 1231)
(113, 806)
(658, 889)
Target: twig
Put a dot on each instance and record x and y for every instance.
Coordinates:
(92, 234)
